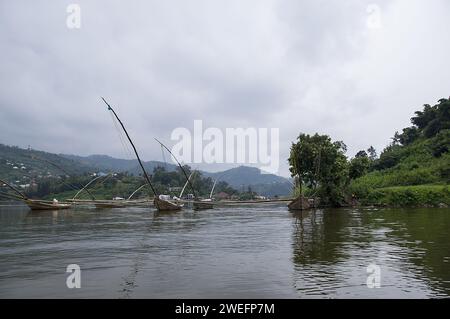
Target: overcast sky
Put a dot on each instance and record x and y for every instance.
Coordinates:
(300, 66)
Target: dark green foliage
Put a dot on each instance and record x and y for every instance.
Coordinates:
(414, 170)
(418, 156)
(433, 118)
(409, 135)
(361, 154)
(372, 153)
(404, 196)
(320, 163)
(390, 157)
(440, 143)
(359, 165)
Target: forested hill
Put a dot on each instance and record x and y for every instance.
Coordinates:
(20, 165)
(25, 166)
(419, 155)
(243, 177)
(110, 164)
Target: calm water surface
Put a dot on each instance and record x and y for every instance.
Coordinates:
(252, 252)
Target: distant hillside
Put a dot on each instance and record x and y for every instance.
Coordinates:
(107, 163)
(20, 166)
(265, 184)
(273, 189)
(150, 166)
(240, 177)
(103, 162)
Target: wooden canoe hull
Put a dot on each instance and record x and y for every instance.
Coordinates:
(109, 205)
(164, 205)
(203, 205)
(44, 205)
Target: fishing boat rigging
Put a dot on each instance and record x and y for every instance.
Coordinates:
(197, 203)
(137, 190)
(89, 183)
(215, 183)
(181, 167)
(75, 188)
(185, 184)
(35, 204)
(160, 204)
(119, 202)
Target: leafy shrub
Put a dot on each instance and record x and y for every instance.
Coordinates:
(423, 195)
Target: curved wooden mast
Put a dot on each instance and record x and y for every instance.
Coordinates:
(182, 169)
(134, 148)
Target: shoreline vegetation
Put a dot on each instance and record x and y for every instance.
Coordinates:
(412, 171)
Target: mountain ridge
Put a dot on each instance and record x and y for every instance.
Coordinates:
(241, 177)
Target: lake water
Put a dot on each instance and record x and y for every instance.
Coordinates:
(247, 252)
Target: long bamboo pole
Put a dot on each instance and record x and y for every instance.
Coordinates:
(134, 148)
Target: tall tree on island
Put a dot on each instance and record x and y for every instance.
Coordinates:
(320, 164)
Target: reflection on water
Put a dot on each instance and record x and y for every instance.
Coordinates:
(256, 252)
(332, 249)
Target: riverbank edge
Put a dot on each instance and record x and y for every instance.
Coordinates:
(420, 196)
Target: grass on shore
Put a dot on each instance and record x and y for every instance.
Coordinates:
(408, 196)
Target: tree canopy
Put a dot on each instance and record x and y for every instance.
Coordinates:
(321, 164)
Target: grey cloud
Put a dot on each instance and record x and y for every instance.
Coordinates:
(297, 65)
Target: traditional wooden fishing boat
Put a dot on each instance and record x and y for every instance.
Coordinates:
(197, 204)
(160, 204)
(207, 203)
(120, 202)
(110, 204)
(165, 205)
(203, 204)
(35, 204)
